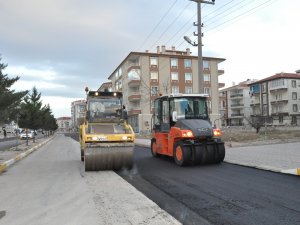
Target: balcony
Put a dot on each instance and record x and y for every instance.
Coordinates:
(278, 88)
(134, 83)
(134, 97)
(221, 72)
(134, 112)
(274, 102)
(237, 95)
(221, 85)
(237, 115)
(238, 105)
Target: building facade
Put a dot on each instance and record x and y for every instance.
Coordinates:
(143, 76)
(275, 100)
(64, 124)
(78, 109)
(235, 104)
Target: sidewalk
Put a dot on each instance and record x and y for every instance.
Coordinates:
(283, 158)
(12, 155)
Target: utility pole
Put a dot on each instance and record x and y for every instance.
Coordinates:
(199, 26)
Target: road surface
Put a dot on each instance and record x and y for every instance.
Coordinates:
(217, 194)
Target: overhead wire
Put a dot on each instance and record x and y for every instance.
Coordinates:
(254, 9)
(156, 26)
(170, 25)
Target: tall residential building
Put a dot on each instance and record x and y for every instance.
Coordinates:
(77, 112)
(235, 104)
(142, 76)
(275, 100)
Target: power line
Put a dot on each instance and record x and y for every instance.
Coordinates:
(254, 9)
(171, 24)
(162, 18)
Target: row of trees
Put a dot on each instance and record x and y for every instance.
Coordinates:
(24, 107)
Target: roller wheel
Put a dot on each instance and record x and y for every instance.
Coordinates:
(153, 148)
(82, 155)
(182, 155)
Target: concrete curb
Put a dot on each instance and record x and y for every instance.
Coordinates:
(261, 167)
(4, 166)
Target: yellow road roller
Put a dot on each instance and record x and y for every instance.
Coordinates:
(106, 139)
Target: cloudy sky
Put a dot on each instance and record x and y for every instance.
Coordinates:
(61, 46)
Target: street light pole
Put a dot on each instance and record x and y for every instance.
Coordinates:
(200, 58)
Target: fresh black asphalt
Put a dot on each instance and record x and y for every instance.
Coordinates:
(216, 194)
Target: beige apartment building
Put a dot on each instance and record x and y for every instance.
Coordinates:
(64, 124)
(275, 100)
(143, 76)
(77, 112)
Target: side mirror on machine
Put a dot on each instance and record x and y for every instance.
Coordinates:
(124, 115)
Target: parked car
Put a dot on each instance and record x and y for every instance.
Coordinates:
(30, 134)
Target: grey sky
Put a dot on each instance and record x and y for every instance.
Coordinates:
(61, 46)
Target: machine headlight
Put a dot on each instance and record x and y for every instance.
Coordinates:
(124, 138)
(217, 132)
(94, 138)
(187, 133)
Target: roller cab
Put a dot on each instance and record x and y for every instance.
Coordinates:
(182, 130)
(106, 140)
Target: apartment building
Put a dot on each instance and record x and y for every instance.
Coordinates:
(64, 123)
(276, 99)
(142, 76)
(235, 104)
(107, 86)
(77, 112)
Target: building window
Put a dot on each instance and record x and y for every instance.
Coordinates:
(154, 90)
(187, 63)
(175, 90)
(295, 108)
(188, 77)
(120, 72)
(263, 87)
(188, 90)
(206, 77)
(294, 95)
(154, 76)
(153, 61)
(174, 62)
(174, 76)
(280, 119)
(293, 83)
(207, 91)
(205, 65)
(265, 110)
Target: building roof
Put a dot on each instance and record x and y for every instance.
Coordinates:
(168, 53)
(278, 76)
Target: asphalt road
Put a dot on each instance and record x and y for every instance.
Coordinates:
(217, 194)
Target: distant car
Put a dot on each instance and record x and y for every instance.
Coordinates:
(30, 134)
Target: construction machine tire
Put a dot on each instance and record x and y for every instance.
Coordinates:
(112, 158)
(82, 155)
(220, 152)
(153, 147)
(199, 154)
(182, 154)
